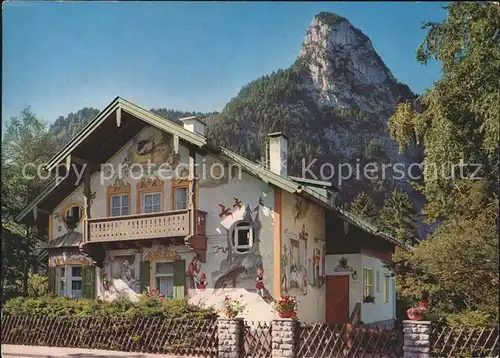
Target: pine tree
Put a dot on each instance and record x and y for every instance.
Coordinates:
(398, 216)
(363, 207)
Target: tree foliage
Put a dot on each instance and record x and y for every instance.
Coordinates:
(458, 263)
(363, 207)
(398, 216)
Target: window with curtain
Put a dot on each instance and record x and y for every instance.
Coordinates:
(180, 198)
(163, 278)
(119, 205)
(151, 202)
(367, 282)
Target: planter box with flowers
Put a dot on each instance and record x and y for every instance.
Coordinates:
(232, 308)
(286, 307)
(416, 313)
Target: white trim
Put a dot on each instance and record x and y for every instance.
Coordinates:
(120, 207)
(234, 236)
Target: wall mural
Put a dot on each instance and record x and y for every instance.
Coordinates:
(240, 269)
(151, 145)
(197, 278)
(212, 173)
(298, 269)
(121, 275)
(69, 259)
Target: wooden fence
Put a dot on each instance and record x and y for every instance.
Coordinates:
(151, 335)
(322, 340)
(464, 342)
(257, 339)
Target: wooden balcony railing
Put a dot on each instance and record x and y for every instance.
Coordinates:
(142, 226)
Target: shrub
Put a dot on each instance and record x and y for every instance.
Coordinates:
(38, 285)
(472, 319)
(122, 307)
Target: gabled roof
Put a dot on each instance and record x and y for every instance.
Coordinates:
(163, 124)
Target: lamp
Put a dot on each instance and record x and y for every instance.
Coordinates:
(354, 275)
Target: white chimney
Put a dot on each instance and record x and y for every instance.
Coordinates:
(278, 153)
(194, 125)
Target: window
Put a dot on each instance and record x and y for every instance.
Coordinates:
(151, 202)
(378, 281)
(180, 198)
(72, 216)
(70, 281)
(242, 237)
(163, 278)
(367, 282)
(386, 289)
(119, 205)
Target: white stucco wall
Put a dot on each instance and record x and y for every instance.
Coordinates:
(303, 227)
(370, 312)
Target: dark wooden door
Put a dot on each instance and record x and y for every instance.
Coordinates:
(337, 299)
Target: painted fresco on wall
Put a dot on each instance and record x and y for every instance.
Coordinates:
(69, 259)
(121, 275)
(213, 173)
(197, 279)
(301, 267)
(242, 267)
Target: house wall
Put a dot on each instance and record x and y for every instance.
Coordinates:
(370, 312)
(227, 195)
(303, 256)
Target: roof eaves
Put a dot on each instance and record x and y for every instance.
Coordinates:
(40, 197)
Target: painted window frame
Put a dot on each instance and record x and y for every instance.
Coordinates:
(180, 184)
(387, 290)
(234, 237)
(154, 275)
(366, 285)
(155, 186)
(68, 280)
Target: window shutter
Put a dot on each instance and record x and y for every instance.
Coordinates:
(88, 281)
(179, 278)
(52, 280)
(144, 275)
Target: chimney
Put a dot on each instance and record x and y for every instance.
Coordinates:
(194, 125)
(278, 153)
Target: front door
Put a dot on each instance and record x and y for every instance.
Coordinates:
(337, 299)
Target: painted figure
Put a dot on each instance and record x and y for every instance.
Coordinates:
(194, 273)
(284, 268)
(260, 282)
(202, 284)
(128, 276)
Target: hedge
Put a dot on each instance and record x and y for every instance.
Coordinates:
(67, 307)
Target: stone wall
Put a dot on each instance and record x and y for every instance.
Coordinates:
(416, 339)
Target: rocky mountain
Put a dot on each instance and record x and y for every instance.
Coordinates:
(333, 103)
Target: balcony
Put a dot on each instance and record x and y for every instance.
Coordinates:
(145, 226)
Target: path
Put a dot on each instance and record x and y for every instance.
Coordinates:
(15, 351)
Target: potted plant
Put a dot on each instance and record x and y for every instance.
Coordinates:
(232, 308)
(286, 307)
(416, 313)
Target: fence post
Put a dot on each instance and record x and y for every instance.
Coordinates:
(230, 335)
(285, 333)
(417, 341)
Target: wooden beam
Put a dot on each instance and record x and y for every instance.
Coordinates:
(50, 228)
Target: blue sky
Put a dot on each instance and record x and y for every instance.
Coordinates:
(59, 57)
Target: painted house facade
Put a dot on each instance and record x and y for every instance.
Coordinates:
(140, 203)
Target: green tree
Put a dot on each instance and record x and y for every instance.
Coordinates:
(26, 145)
(363, 207)
(398, 216)
(458, 263)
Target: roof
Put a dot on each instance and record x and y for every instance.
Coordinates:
(70, 239)
(122, 105)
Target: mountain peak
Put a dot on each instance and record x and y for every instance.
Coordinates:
(343, 67)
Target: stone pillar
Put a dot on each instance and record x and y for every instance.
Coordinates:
(417, 339)
(285, 337)
(230, 334)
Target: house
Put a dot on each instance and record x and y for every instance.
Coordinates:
(139, 203)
